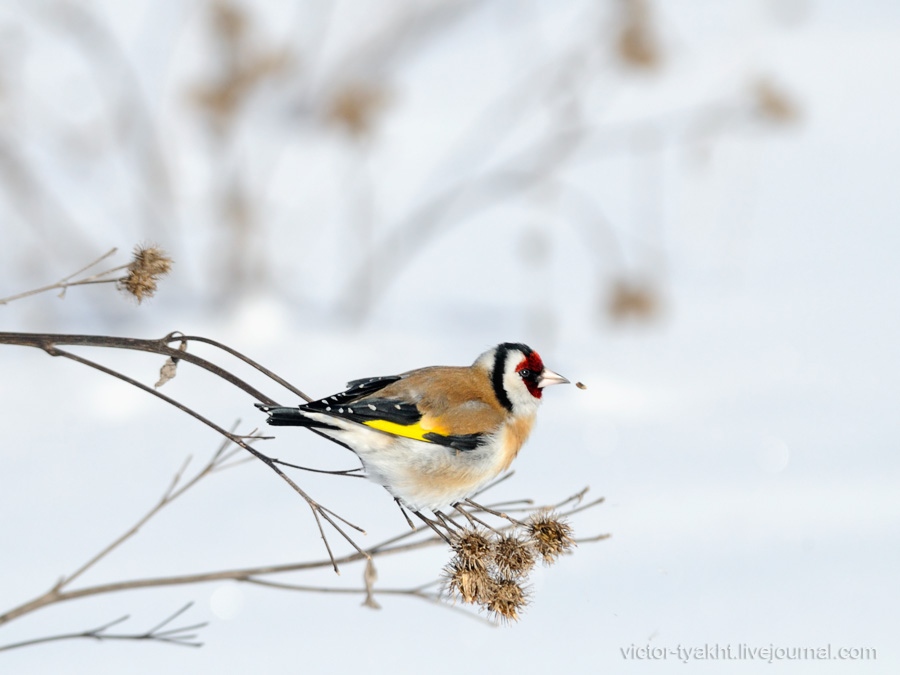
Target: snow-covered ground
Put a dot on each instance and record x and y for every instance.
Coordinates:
(745, 439)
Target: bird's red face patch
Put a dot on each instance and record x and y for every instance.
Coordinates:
(530, 369)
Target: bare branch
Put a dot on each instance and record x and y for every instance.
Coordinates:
(175, 636)
(444, 528)
(398, 544)
(48, 342)
(65, 282)
(170, 495)
(225, 348)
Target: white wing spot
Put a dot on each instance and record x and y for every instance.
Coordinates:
(397, 406)
(350, 410)
(340, 410)
(327, 408)
(372, 407)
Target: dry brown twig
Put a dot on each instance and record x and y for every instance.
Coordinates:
(50, 342)
(444, 526)
(405, 542)
(148, 265)
(174, 636)
(222, 459)
(502, 592)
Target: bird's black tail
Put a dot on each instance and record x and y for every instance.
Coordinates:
(291, 417)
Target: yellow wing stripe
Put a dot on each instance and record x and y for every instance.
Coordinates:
(416, 431)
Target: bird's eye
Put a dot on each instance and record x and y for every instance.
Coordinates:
(525, 373)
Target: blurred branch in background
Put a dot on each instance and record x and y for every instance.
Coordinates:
(129, 116)
(318, 153)
(292, 149)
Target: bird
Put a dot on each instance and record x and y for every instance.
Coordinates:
(433, 436)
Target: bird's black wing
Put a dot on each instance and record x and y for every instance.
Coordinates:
(391, 415)
(355, 390)
(349, 404)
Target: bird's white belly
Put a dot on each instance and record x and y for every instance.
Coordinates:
(428, 475)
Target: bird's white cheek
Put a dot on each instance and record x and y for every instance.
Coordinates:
(523, 402)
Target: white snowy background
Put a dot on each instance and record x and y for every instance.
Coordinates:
(742, 427)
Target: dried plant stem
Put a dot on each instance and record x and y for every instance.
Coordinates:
(54, 596)
(448, 208)
(419, 592)
(447, 522)
(177, 636)
(433, 525)
(171, 494)
(350, 473)
(173, 337)
(389, 546)
(473, 519)
(317, 509)
(443, 528)
(405, 514)
(398, 544)
(584, 507)
(49, 342)
(330, 589)
(65, 282)
(528, 507)
(498, 514)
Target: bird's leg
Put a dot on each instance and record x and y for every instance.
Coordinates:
(405, 514)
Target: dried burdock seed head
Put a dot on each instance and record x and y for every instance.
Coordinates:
(148, 264)
(632, 299)
(513, 557)
(356, 107)
(471, 585)
(473, 549)
(506, 600)
(550, 535)
(637, 43)
(773, 103)
(229, 21)
(152, 260)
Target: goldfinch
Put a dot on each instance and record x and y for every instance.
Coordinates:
(434, 436)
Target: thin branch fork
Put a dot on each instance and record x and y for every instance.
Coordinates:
(59, 593)
(49, 343)
(56, 594)
(66, 282)
(391, 546)
(175, 489)
(220, 460)
(176, 636)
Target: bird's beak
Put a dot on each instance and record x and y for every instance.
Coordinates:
(548, 377)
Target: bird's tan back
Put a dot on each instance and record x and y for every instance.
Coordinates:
(460, 400)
